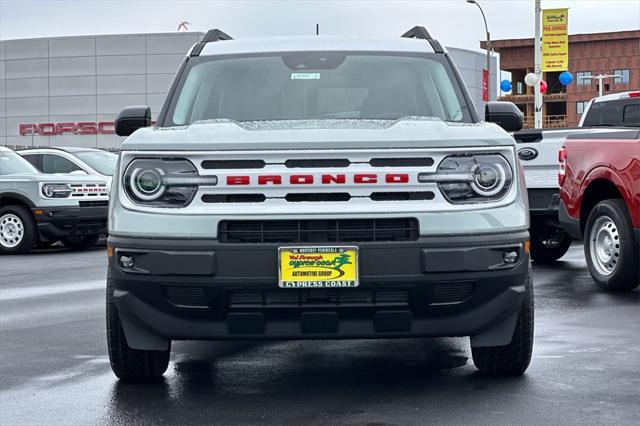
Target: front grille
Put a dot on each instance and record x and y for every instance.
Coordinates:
(87, 190)
(451, 293)
(280, 298)
(317, 231)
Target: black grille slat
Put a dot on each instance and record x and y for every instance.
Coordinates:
(451, 293)
(233, 164)
(233, 198)
(403, 196)
(289, 298)
(318, 231)
(93, 203)
(186, 296)
(318, 197)
(401, 162)
(331, 162)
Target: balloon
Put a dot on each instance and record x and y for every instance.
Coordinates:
(505, 85)
(530, 79)
(543, 86)
(565, 78)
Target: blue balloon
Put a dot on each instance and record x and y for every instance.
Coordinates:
(505, 85)
(565, 78)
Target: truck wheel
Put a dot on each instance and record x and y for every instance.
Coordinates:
(131, 364)
(17, 230)
(610, 248)
(80, 242)
(514, 358)
(548, 244)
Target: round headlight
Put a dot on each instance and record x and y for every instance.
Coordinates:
(147, 184)
(488, 179)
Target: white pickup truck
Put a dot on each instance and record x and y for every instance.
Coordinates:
(538, 153)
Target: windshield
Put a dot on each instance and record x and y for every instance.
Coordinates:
(102, 161)
(11, 164)
(317, 86)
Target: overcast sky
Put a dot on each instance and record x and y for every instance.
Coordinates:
(454, 22)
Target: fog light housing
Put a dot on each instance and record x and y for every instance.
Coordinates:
(127, 262)
(510, 256)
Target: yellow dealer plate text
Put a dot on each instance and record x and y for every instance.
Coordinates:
(318, 267)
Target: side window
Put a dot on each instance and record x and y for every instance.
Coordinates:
(34, 159)
(631, 115)
(52, 163)
(607, 113)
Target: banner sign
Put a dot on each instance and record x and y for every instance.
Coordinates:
(555, 40)
(485, 85)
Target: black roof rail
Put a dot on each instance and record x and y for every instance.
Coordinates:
(422, 33)
(210, 36)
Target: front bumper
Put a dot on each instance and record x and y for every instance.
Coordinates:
(59, 222)
(203, 289)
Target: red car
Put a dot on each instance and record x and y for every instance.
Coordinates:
(600, 202)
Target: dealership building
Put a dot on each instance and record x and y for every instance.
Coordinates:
(66, 91)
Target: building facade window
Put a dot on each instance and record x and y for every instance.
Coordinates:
(625, 76)
(580, 106)
(580, 81)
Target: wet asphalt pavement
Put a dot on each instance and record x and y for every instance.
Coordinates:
(54, 367)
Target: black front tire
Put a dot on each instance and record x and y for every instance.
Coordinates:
(626, 275)
(548, 244)
(128, 364)
(80, 242)
(24, 223)
(514, 358)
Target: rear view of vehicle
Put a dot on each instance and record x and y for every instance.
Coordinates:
(318, 188)
(615, 110)
(600, 190)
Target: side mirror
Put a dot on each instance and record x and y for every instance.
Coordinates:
(79, 173)
(131, 119)
(505, 114)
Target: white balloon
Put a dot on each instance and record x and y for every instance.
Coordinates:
(530, 79)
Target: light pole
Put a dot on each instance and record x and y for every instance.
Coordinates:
(486, 27)
(537, 68)
(600, 78)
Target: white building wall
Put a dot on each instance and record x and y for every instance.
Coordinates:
(470, 64)
(91, 78)
(80, 79)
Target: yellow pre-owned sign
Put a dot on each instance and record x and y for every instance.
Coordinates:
(555, 40)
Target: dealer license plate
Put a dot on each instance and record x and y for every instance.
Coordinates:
(318, 267)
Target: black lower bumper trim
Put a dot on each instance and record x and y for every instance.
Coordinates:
(401, 293)
(59, 222)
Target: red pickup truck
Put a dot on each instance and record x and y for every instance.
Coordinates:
(599, 180)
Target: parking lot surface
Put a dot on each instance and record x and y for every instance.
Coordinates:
(54, 367)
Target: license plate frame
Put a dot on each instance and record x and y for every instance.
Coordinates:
(329, 270)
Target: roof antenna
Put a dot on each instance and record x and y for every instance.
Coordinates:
(317, 29)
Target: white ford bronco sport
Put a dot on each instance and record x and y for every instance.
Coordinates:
(318, 188)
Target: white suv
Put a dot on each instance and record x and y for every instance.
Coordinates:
(318, 187)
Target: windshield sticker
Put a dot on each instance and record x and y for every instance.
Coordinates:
(305, 76)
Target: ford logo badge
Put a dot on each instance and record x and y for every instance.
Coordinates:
(527, 154)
